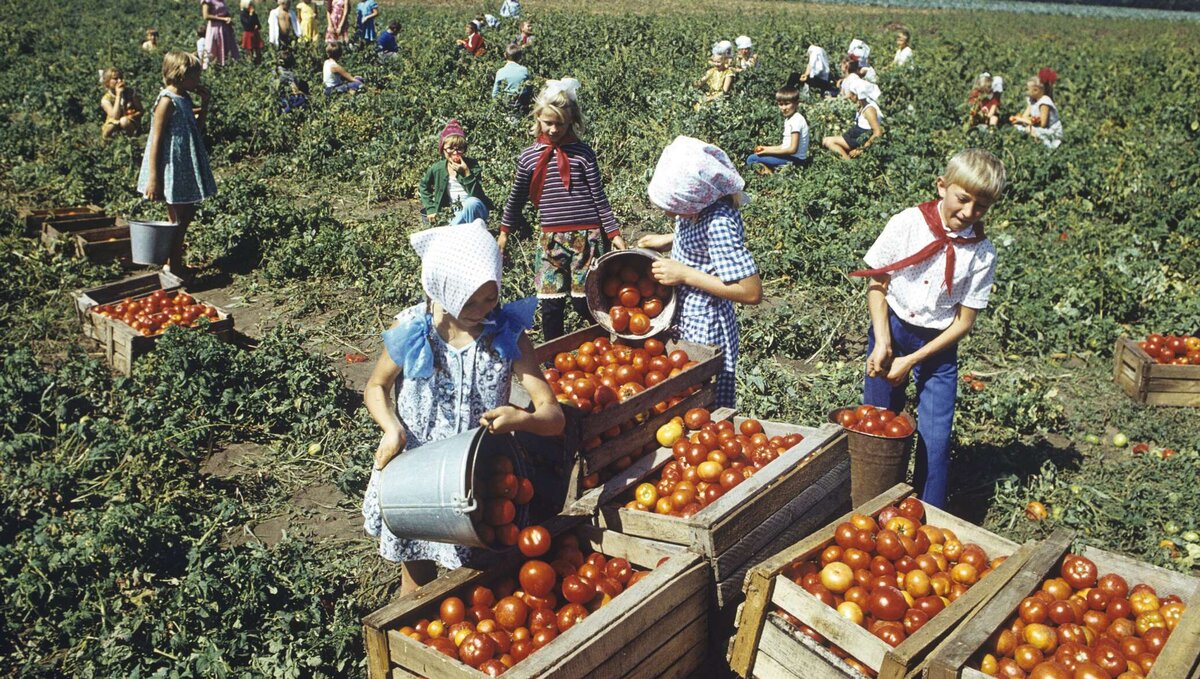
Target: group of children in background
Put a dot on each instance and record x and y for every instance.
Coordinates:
(1039, 118)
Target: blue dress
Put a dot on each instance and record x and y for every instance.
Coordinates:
(715, 243)
(442, 392)
(186, 176)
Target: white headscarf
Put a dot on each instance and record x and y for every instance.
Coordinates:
(691, 175)
(743, 42)
(456, 261)
(722, 48)
(568, 86)
(864, 89)
(997, 84)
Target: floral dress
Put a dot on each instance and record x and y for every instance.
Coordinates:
(464, 384)
(336, 10)
(715, 243)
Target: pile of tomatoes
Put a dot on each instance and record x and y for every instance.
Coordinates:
(496, 627)
(889, 574)
(154, 313)
(634, 297)
(1081, 625)
(874, 421)
(1176, 349)
(712, 460)
(500, 495)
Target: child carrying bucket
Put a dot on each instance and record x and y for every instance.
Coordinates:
(931, 273)
(446, 368)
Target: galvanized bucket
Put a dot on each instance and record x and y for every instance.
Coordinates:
(151, 242)
(431, 492)
(876, 462)
(608, 264)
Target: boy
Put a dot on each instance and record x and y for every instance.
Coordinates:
(388, 49)
(516, 80)
(932, 271)
(794, 147)
(454, 181)
(816, 74)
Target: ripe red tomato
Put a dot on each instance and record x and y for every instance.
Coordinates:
(570, 615)
(887, 603)
(476, 649)
(652, 307)
(511, 613)
(537, 578)
(524, 492)
(1079, 572)
(619, 317)
(639, 323)
(534, 541)
(679, 358)
(452, 610)
(499, 511)
(629, 296)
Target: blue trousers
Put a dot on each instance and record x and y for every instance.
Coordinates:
(472, 209)
(937, 389)
(774, 162)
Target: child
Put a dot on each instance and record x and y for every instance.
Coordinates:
(510, 9)
(525, 37)
(291, 89)
(388, 49)
(447, 367)
(696, 183)
(851, 73)
(336, 79)
(122, 109)
(454, 181)
(151, 43)
(559, 174)
(860, 52)
(746, 58)
(219, 36)
(984, 102)
(723, 48)
(175, 166)
(335, 30)
(283, 27)
(816, 74)
(793, 150)
(366, 12)
(1040, 117)
(251, 30)
(202, 46)
(307, 31)
(931, 272)
(717, 80)
(903, 50)
(516, 80)
(473, 43)
(868, 119)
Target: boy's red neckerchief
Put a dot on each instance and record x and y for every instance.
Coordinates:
(941, 241)
(538, 181)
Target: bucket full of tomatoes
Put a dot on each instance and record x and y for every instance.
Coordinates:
(623, 296)
(878, 440)
(472, 489)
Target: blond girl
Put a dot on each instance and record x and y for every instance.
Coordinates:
(122, 109)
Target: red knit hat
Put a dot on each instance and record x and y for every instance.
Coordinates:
(452, 128)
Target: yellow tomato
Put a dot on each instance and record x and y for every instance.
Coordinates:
(669, 433)
(646, 494)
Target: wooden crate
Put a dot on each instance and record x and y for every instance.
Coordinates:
(1152, 383)
(784, 501)
(1177, 659)
(34, 218)
(63, 229)
(581, 428)
(654, 629)
(104, 244)
(765, 646)
(122, 344)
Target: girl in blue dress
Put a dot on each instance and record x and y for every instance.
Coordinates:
(696, 183)
(446, 368)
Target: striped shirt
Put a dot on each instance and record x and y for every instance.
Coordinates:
(584, 206)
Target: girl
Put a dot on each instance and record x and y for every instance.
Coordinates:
(851, 73)
(454, 181)
(336, 29)
(367, 11)
(335, 78)
(716, 81)
(473, 42)
(559, 174)
(447, 367)
(696, 183)
(218, 38)
(175, 166)
(308, 21)
(251, 30)
(151, 44)
(868, 119)
(746, 58)
(984, 102)
(282, 26)
(1040, 117)
(122, 109)
(903, 50)
(525, 37)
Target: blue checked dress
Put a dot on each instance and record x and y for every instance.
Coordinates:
(186, 176)
(715, 243)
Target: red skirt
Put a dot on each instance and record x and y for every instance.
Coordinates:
(251, 40)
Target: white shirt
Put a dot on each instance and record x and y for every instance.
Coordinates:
(510, 9)
(796, 123)
(456, 190)
(202, 52)
(328, 77)
(902, 56)
(917, 294)
(848, 81)
(868, 74)
(818, 62)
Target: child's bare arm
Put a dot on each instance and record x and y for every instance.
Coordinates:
(377, 397)
(745, 291)
(964, 320)
(547, 416)
(337, 68)
(657, 241)
(881, 356)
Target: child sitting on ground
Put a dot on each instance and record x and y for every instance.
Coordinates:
(122, 109)
(515, 78)
(793, 150)
(388, 49)
(1040, 117)
(984, 102)
(525, 37)
(868, 120)
(454, 181)
(336, 79)
(903, 50)
(746, 58)
(151, 43)
(290, 88)
(473, 43)
(717, 80)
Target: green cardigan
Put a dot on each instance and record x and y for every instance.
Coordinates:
(435, 186)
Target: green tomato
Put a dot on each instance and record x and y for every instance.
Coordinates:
(1171, 528)
(314, 448)
(1056, 512)
(1191, 536)
(1092, 439)
(1120, 440)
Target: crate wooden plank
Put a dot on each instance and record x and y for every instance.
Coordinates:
(689, 618)
(855, 639)
(104, 245)
(1151, 383)
(790, 654)
(398, 673)
(34, 218)
(687, 666)
(59, 229)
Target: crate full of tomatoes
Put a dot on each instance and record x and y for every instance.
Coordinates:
(1086, 615)
(1160, 370)
(572, 601)
(870, 594)
(127, 317)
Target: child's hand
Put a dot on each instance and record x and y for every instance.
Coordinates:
(389, 447)
(504, 419)
(618, 242)
(878, 361)
(898, 373)
(759, 149)
(502, 241)
(854, 153)
(670, 272)
(655, 241)
(153, 189)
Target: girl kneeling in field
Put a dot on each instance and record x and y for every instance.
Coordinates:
(446, 368)
(710, 266)
(868, 119)
(1040, 117)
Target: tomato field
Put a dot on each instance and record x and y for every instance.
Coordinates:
(200, 517)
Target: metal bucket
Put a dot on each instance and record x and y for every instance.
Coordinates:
(876, 462)
(429, 492)
(608, 264)
(151, 242)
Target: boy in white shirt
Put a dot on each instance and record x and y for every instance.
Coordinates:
(931, 273)
(793, 150)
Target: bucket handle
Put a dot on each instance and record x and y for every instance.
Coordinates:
(464, 505)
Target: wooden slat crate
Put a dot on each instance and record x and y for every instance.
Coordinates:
(1152, 383)
(581, 428)
(104, 244)
(60, 229)
(122, 344)
(789, 497)
(654, 629)
(34, 218)
(764, 646)
(1177, 659)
